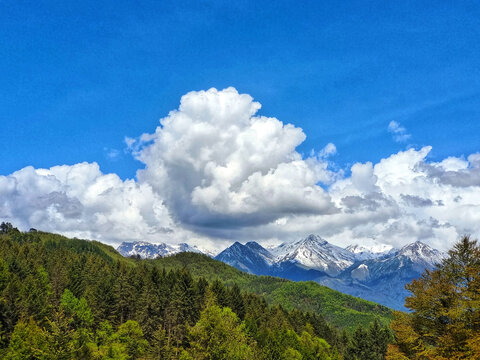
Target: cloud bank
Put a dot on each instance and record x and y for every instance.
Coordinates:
(215, 170)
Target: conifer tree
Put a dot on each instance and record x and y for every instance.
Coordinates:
(130, 335)
(35, 295)
(236, 301)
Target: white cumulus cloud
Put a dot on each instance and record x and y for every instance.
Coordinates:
(218, 164)
(81, 201)
(215, 170)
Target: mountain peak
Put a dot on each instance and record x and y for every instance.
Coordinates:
(368, 252)
(315, 239)
(417, 247)
(251, 257)
(315, 253)
(421, 254)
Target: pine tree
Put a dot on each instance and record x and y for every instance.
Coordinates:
(35, 296)
(123, 292)
(359, 348)
(220, 293)
(80, 320)
(378, 339)
(130, 335)
(160, 348)
(236, 301)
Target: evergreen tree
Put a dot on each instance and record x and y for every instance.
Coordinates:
(236, 301)
(220, 293)
(160, 348)
(130, 335)
(80, 320)
(35, 295)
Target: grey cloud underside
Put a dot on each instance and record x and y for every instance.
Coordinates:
(460, 178)
(369, 202)
(416, 201)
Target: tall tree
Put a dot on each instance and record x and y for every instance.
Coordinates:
(445, 319)
(219, 334)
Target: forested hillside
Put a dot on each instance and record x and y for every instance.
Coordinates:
(342, 310)
(73, 299)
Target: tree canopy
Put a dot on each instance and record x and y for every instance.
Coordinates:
(445, 304)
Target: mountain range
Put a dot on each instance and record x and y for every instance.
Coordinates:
(377, 273)
(146, 250)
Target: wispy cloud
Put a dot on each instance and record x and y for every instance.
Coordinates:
(112, 154)
(398, 132)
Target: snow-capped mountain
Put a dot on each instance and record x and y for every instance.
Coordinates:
(290, 260)
(383, 279)
(150, 251)
(378, 273)
(422, 255)
(251, 257)
(408, 262)
(313, 252)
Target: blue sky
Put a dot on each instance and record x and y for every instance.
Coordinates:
(394, 85)
(77, 77)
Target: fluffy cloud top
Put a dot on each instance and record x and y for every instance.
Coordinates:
(217, 164)
(215, 170)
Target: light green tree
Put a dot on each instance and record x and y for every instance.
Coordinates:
(28, 342)
(219, 335)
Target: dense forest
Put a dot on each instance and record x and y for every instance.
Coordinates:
(339, 309)
(66, 298)
(74, 299)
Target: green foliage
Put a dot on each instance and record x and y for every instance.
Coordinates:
(130, 335)
(73, 299)
(6, 227)
(28, 341)
(76, 308)
(368, 344)
(219, 334)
